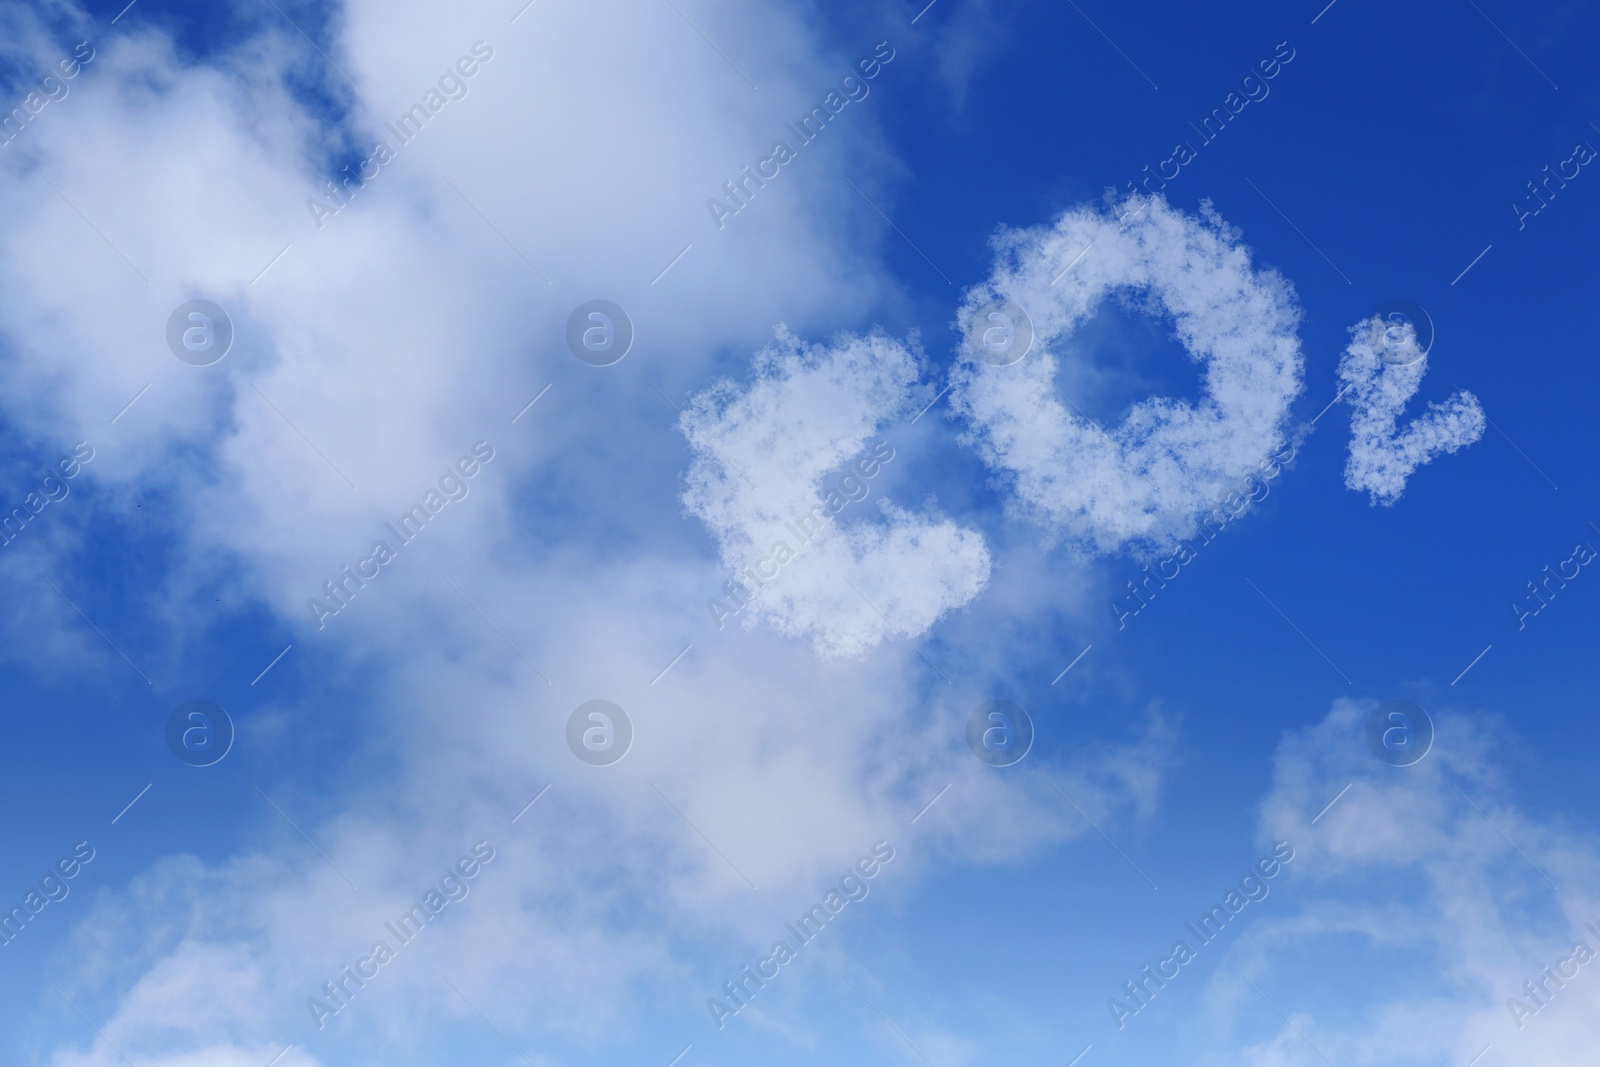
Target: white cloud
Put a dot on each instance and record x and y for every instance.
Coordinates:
(761, 454)
(1144, 481)
(1381, 369)
(403, 330)
(216, 1055)
(1432, 876)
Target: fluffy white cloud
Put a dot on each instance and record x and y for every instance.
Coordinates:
(376, 349)
(1380, 372)
(1145, 480)
(1431, 875)
(807, 566)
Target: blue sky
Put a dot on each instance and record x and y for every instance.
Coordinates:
(825, 321)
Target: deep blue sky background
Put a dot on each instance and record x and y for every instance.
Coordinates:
(1396, 140)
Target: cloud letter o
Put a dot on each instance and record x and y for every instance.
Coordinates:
(1146, 480)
